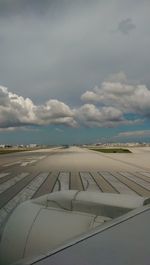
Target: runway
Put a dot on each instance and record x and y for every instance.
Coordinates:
(32, 174)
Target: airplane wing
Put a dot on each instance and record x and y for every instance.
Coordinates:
(78, 227)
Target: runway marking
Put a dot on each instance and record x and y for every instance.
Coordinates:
(4, 175)
(103, 183)
(48, 185)
(121, 187)
(132, 185)
(147, 174)
(139, 181)
(33, 160)
(75, 181)
(28, 161)
(24, 186)
(63, 179)
(8, 177)
(11, 164)
(57, 186)
(6, 185)
(24, 164)
(23, 195)
(88, 182)
(139, 175)
(39, 180)
(3, 216)
(42, 157)
(8, 194)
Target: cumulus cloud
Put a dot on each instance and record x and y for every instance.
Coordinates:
(126, 25)
(55, 112)
(16, 111)
(125, 97)
(115, 99)
(140, 133)
(91, 116)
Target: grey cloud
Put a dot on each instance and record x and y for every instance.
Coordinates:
(140, 133)
(125, 97)
(91, 116)
(20, 7)
(19, 112)
(118, 77)
(69, 47)
(126, 25)
(40, 8)
(55, 112)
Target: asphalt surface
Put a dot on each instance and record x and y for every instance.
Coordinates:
(27, 175)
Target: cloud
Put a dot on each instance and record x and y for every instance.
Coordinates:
(55, 112)
(140, 133)
(125, 97)
(15, 111)
(56, 49)
(20, 128)
(118, 77)
(91, 116)
(59, 130)
(10, 129)
(125, 26)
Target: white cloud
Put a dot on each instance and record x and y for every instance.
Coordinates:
(15, 111)
(115, 99)
(55, 112)
(125, 97)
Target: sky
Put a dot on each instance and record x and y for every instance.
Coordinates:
(74, 72)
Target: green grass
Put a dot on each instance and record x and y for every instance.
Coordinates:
(9, 151)
(111, 150)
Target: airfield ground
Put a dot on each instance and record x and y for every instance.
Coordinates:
(30, 174)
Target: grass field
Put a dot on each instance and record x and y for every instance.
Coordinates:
(111, 150)
(14, 150)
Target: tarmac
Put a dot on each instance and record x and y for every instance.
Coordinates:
(27, 175)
